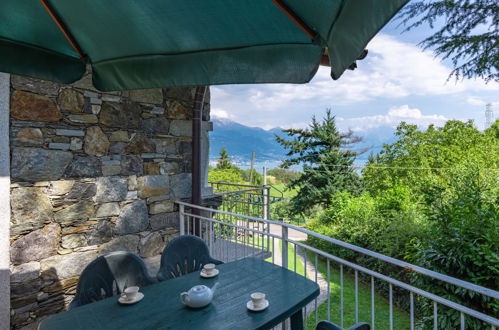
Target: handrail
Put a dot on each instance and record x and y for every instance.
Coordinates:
(235, 184)
(452, 280)
(423, 293)
(279, 191)
(237, 191)
(215, 185)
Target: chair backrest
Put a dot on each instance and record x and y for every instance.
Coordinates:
(183, 255)
(109, 275)
(326, 325)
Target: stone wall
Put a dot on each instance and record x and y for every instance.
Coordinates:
(91, 173)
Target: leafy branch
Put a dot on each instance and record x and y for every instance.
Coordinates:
(469, 36)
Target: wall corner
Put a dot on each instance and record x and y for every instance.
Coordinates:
(4, 201)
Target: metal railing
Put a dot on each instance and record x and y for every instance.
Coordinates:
(243, 199)
(249, 236)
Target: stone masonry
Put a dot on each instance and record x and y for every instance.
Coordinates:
(91, 173)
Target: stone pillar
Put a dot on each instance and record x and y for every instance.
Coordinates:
(205, 154)
(4, 202)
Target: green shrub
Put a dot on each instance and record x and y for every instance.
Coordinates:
(282, 210)
(384, 224)
(463, 242)
(232, 175)
(283, 175)
(370, 223)
(257, 177)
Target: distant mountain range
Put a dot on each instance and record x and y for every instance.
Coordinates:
(241, 140)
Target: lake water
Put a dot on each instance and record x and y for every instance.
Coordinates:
(269, 164)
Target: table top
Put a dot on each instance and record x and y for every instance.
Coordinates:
(161, 307)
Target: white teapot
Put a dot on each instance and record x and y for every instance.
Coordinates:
(198, 296)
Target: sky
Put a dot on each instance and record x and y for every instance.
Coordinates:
(397, 81)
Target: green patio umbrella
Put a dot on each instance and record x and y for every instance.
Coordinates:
(137, 44)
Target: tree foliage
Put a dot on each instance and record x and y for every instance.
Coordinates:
(256, 177)
(223, 162)
(232, 175)
(423, 159)
(326, 158)
(225, 171)
(432, 198)
(283, 175)
(468, 37)
(462, 242)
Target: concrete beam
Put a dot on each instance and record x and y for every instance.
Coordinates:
(4, 202)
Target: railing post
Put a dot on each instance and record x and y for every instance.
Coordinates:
(211, 233)
(265, 195)
(265, 208)
(181, 219)
(284, 246)
(284, 261)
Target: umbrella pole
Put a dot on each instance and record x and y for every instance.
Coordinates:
(197, 115)
(57, 20)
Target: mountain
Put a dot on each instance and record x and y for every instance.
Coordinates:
(372, 141)
(241, 140)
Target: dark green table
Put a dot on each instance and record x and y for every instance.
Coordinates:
(161, 308)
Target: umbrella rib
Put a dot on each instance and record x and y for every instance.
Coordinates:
(295, 18)
(63, 28)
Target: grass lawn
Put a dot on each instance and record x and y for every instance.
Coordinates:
(288, 193)
(291, 261)
(381, 316)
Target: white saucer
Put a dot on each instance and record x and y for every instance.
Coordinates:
(204, 275)
(250, 306)
(138, 297)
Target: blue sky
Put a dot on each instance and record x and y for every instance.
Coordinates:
(397, 81)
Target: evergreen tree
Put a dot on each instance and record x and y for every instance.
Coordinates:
(469, 36)
(327, 162)
(223, 162)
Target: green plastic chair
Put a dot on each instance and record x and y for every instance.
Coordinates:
(326, 325)
(109, 275)
(183, 255)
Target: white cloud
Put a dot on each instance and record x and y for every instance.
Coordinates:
(220, 113)
(393, 69)
(392, 118)
(476, 101)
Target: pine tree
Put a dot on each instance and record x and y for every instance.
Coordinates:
(223, 162)
(327, 162)
(469, 36)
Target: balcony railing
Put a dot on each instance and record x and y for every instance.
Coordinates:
(232, 236)
(255, 201)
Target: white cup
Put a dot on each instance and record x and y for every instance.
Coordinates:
(131, 292)
(258, 299)
(209, 269)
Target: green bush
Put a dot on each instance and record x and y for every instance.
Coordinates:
(384, 224)
(283, 175)
(462, 242)
(232, 175)
(257, 177)
(369, 222)
(458, 237)
(282, 210)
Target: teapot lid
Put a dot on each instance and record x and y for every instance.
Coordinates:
(199, 288)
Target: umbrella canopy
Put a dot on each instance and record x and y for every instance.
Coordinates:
(136, 44)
